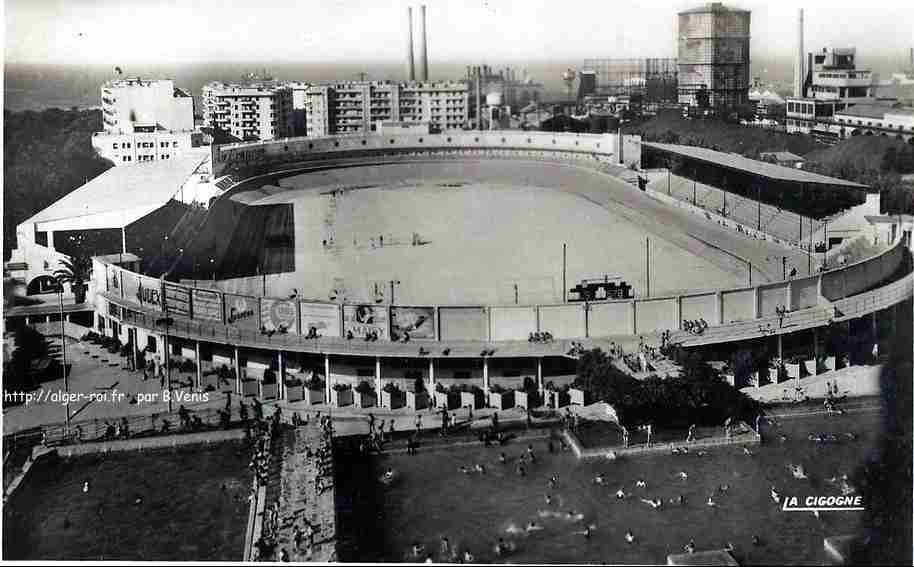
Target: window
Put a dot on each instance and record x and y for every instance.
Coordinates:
(174, 144)
(114, 146)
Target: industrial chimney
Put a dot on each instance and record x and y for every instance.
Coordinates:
(410, 64)
(799, 77)
(423, 47)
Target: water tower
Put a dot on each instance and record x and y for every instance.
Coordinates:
(494, 102)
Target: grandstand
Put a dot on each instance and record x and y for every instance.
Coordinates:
(777, 222)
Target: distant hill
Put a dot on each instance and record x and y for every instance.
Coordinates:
(671, 127)
(45, 156)
(879, 153)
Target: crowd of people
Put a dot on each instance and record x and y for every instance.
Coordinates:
(540, 337)
(695, 326)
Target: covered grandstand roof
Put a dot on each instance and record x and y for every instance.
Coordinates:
(751, 166)
(121, 195)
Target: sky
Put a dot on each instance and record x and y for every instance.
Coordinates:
(117, 32)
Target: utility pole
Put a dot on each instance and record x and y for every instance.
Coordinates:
(564, 270)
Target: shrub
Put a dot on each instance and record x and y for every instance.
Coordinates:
(315, 382)
(391, 388)
(342, 387)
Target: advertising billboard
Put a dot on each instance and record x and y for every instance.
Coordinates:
(363, 320)
(242, 311)
(207, 305)
(418, 322)
(323, 317)
(276, 314)
(143, 290)
(177, 299)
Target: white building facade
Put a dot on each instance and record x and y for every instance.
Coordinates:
(358, 106)
(255, 111)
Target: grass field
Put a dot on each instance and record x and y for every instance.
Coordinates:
(183, 515)
(484, 228)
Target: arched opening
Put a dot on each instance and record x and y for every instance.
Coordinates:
(41, 284)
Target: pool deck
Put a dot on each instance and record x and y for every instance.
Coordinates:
(710, 557)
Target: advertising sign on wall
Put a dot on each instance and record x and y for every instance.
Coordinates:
(115, 282)
(207, 305)
(323, 317)
(143, 290)
(419, 322)
(242, 311)
(177, 299)
(363, 320)
(276, 314)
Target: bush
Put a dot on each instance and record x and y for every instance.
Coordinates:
(341, 387)
(315, 382)
(391, 388)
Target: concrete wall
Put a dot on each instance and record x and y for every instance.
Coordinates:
(700, 306)
(656, 315)
(463, 324)
(563, 321)
(862, 275)
(770, 297)
(229, 157)
(738, 305)
(610, 318)
(512, 323)
(804, 292)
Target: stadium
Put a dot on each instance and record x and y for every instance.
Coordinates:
(448, 257)
(456, 271)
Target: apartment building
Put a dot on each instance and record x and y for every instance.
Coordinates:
(252, 111)
(144, 120)
(358, 106)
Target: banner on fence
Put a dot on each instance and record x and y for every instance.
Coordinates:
(242, 311)
(364, 320)
(419, 322)
(177, 299)
(323, 317)
(279, 313)
(143, 290)
(207, 305)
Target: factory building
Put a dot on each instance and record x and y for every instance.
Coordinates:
(714, 56)
(516, 90)
(251, 111)
(358, 106)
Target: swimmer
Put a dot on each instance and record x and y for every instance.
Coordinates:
(620, 494)
(480, 469)
(573, 516)
(847, 489)
(429, 559)
(599, 479)
(389, 475)
(512, 529)
(641, 484)
(756, 540)
(533, 527)
(850, 435)
(611, 455)
(467, 556)
(728, 547)
(724, 487)
(782, 438)
(702, 453)
(655, 504)
(679, 500)
(675, 451)
(629, 537)
(521, 471)
(799, 472)
(775, 495)
(816, 514)
(711, 502)
(502, 458)
(548, 499)
(138, 501)
(553, 480)
(683, 475)
(500, 547)
(418, 548)
(746, 451)
(464, 470)
(85, 487)
(690, 547)
(445, 546)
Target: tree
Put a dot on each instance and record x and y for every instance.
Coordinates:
(76, 271)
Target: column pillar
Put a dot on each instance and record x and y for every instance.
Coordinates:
(678, 312)
(485, 378)
(431, 380)
(47, 318)
(280, 376)
(67, 317)
(719, 306)
(875, 336)
(789, 298)
(755, 298)
(27, 320)
(198, 382)
(237, 371)
(780, 357)
(327, 385)
(377, 377)
(815, 348)
(539, 377)
(634, 318)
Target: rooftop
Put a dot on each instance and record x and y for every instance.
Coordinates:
(875, 110)
(120, 195)
(712, 7)
(751, 166)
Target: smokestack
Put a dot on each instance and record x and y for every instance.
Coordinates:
(799, 77)
(410, 64)
(423, 47)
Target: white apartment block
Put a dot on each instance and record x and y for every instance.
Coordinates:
(255, 111)
(144, 120)
(358, 106)
(131, 103)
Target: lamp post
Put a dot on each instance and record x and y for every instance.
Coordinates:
(212, 267)
(63, 351)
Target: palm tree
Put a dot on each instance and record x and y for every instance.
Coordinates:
(76, 271)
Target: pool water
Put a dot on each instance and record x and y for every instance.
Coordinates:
(432, 498)
(184, 514)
